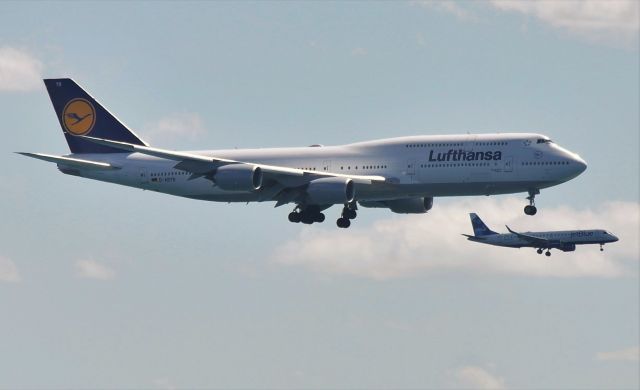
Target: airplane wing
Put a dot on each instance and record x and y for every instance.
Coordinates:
(201, 165)
(537, 241)
(287, 179)
(71, 162)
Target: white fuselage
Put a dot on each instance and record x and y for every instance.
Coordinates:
(429, 166)
(561, 237)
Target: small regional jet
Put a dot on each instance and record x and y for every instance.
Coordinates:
(564, 240)
(400, 174)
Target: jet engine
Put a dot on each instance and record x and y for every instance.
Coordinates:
(403, 206)
(238, 177)
(568, 247)
(331, 190)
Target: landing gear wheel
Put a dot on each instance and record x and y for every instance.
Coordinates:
(343, 223)
(539, 251)
(319, 217)
(294, 217)
(530, 210)
(307, 218)
(547, 253)
(349, 214)
(601, 248)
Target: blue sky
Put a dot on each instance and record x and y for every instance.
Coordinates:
(111, 287)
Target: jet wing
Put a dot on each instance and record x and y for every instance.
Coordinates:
(71, 162)
(537, 241)
(200, 165)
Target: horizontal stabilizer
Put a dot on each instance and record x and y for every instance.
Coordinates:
(71, 162)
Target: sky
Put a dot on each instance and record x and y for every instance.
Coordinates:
(103, 286)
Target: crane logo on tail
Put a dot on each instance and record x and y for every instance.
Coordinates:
(78, 117)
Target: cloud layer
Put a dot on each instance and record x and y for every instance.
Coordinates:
(175, 126)
(411, 245)
(19, 70)
(472, 377)
(627, 354)
(8, 271)
(91, 269)
(610, 19)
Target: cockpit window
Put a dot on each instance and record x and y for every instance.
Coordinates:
(544, 141)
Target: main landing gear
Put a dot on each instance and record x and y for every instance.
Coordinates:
(531, 208)
(307, 215)
(547, 253)
(312, 214)
(348, 213)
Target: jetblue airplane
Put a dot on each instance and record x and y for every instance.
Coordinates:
(564, 240)
(401, 174)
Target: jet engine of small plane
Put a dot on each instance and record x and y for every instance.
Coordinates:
(238, 177)
(331, 190)
(403, 206)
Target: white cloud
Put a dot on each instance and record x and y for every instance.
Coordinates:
(19, 70)
(8, 271)
(175, 126)
(627, 354)
(91, 269)
(451, 7)
(164, 383)
(472, 377)
(359, 52)
(610, 20)
(410, 245)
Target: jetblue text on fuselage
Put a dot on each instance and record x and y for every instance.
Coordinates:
(462, 155)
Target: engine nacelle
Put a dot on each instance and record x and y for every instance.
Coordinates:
(568, 247)
(331, 190)
(238, 177)
(403, 206)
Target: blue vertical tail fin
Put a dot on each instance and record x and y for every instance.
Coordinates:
(479, 228)
(80, 114)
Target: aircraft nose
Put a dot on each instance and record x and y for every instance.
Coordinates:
(579, 163)
(614, 238)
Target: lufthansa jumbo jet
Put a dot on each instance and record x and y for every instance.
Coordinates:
(564, 240)
(401, 174)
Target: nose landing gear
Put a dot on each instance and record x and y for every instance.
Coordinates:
(531, 208)
(601, 247)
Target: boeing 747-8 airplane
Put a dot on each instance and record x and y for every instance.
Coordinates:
(401, 174)
(564, 240)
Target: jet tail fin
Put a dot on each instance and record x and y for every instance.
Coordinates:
(479, 227)
(80, 114)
